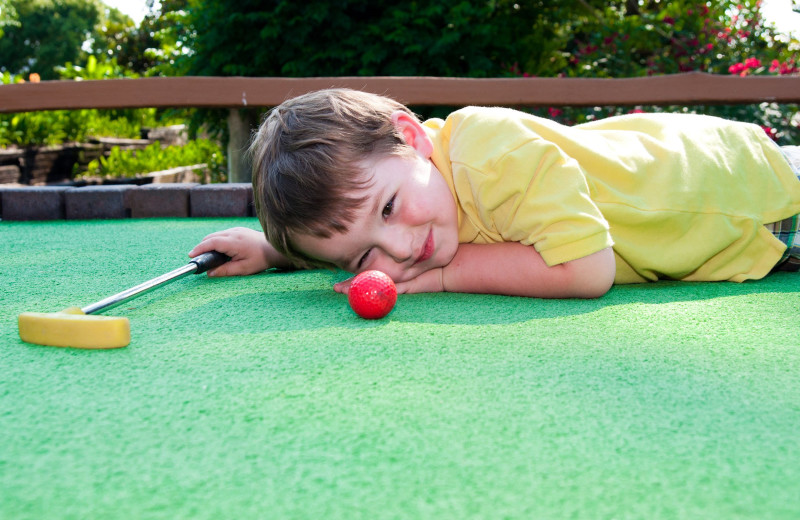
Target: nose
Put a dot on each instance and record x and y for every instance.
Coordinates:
(398, 244)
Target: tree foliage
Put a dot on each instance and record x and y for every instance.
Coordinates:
(47, 33)
(620, 38)
(8, 15)
(359, 37)
(487, 38)
(43, 35)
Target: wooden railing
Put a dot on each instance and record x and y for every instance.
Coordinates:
(238, 92)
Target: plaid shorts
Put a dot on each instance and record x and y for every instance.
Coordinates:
(787, 229)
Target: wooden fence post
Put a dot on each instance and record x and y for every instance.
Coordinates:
(238, 140)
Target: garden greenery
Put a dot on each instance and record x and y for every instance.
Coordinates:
(491, 38)
(651, 38)
(488, 38)
(130, 163)
(61, 126)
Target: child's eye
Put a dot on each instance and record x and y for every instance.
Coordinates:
(387, 209)
(363, 259)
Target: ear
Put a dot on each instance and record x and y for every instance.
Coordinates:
(413, 133)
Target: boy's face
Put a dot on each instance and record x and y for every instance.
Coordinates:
(408, 224)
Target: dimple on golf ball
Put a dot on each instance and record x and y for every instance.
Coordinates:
(372, 294)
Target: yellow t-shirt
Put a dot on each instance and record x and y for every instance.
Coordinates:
(677, 196)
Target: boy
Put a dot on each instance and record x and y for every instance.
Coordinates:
(493, 200)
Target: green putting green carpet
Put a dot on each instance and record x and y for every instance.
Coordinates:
(266, 397)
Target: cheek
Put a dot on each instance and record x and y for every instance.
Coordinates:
(419, 211)
(394, 271)
(436, 202)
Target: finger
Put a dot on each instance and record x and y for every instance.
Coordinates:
(410, 286)
(231, 268)
(403, 287)
(343, 287)
(218, 243)
(226, 232)
(199, 249)
(219, 271)
(216, 234)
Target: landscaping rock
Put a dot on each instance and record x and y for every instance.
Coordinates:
(221, 200)
(160, 200)
(27, 203)
(98, 202)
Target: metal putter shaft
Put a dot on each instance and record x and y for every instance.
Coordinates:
(199, 264)
(83, 328)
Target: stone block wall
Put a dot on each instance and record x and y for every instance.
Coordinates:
(126, 201)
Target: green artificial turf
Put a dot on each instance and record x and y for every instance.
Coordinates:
(266, 397)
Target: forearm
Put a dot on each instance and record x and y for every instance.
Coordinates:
(517, 270)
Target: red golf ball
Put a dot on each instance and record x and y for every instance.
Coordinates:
(372, 295)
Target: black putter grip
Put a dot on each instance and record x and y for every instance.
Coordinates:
(208, 261)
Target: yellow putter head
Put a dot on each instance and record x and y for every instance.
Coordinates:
(72, 328)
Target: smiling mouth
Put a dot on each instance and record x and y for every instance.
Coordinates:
(427, 249)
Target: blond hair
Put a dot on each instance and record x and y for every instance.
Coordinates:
(306, 163)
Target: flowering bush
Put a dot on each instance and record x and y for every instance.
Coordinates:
(624, 39)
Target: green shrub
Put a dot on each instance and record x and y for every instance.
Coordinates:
(130, 163)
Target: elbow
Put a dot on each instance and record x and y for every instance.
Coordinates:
(593, 276)
(595, 287)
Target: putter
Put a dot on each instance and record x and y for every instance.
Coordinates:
(82, 328)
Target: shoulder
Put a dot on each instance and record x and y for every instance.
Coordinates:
(478, 118)
(476, 134)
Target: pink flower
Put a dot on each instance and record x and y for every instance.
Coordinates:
(554, 112)
(771, 132)
(752, 63)
(783, 68)
(736, 68)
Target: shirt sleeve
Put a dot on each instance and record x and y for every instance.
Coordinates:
(531, 193)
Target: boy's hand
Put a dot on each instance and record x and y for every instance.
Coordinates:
(429, 281)
(249, 251)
